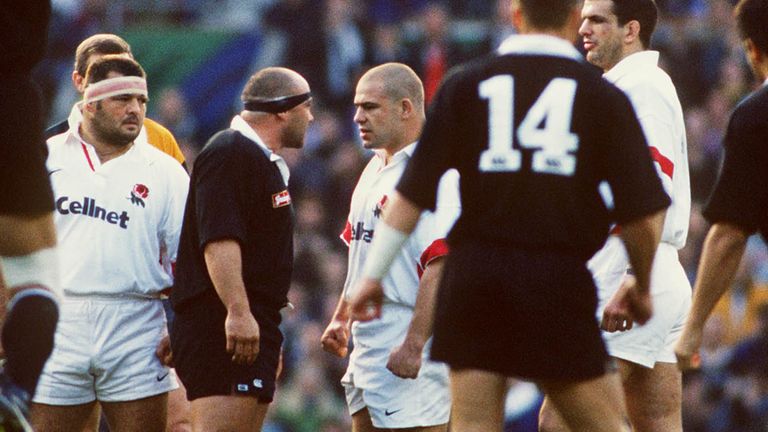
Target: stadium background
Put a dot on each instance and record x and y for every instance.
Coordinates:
(199, 53)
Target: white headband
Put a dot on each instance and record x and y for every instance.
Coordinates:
(115, 86)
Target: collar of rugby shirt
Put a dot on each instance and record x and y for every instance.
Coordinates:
(632, 63)
(539, 45)
(240, 125)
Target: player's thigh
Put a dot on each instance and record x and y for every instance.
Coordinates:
(179, 419)
(228, 413)
(361, 422)
(64, 418)
(22, 235)
(550, 419)
(593, 405)
(478, 400)
(142, 415)
(653, 396)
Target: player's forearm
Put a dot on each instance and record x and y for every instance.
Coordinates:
(641, 238)
(420, 328)
(402, 214)
(342, 310)
(720, 258)
(224, 262)
(400, 219)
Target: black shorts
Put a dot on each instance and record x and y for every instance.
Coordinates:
(24, 185)
(518, 313)
(202, 363)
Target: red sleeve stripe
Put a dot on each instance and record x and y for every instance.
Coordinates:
(667, 166)
(346, 235)
(437, 249)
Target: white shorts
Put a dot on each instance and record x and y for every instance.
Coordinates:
(104, 350)
(671, 294)
(394, 402)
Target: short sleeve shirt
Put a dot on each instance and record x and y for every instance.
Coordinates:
(741, 194)
(532, 132)
(238, 191)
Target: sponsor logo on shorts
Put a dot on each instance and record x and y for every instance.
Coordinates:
(87, 207)
(161, 377)
(389, 413)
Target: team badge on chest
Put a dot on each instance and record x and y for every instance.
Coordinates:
(139, 193)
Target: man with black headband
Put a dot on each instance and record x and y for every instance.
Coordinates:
(118, 212)
(236, 257)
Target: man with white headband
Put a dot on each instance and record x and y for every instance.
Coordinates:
(118, 211)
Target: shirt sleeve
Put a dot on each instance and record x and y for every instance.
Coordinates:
(430, 235)
(635, 185)
(177, 189)
(741, 194)
(219, 182)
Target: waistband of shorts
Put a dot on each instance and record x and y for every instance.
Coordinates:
(111, 297)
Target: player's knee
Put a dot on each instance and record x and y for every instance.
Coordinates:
(549, 421)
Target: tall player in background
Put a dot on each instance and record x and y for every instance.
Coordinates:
(27, 236)
(90, 50)
(616, 35)
(390, 382)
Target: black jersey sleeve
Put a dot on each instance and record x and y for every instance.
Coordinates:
(741, 194)
(434, 153)
(636, 187)
(219, 177)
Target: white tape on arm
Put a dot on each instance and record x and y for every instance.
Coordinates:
(386, 245)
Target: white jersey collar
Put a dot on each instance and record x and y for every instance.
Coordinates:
(631, 63)
(539, 45)
(240, 125)
(403, 154)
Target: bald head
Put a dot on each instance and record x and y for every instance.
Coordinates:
(398, 82)
(272, 83)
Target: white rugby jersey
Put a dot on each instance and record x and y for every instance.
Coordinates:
(658, 109)
(377, 183)
(118, 223)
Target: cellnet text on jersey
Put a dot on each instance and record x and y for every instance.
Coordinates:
(88, 207)
(360, 233)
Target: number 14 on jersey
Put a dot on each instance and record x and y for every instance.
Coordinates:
(546, 128)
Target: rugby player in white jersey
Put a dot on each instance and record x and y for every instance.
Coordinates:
(118, 213)
(390, 383)
(616, 35)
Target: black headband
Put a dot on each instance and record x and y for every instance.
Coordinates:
(278, 105)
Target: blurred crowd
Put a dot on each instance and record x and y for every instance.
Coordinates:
(331, 42)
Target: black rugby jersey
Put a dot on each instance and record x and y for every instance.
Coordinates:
(236, 192)
(741, 194)
(533, 132)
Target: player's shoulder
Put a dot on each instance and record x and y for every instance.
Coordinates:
(755, 105)
(155, 128)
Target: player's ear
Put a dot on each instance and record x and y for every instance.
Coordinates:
(632, 29)
(78, 81)
(406, 107)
